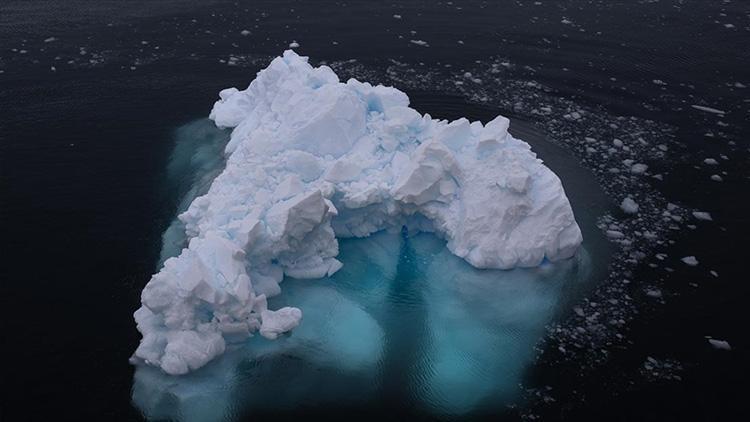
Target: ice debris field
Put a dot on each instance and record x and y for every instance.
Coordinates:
(312, 159)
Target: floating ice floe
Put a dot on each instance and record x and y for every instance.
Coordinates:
(711, 161)
(707, 109)
(638, 168)
(702, 215)
(629, 206)
(690, 260)
(311, 159)
(720, 344)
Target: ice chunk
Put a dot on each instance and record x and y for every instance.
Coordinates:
(720, 344)
(690, 260)
(629, 206)
(311, 159)
(702, 215)
(655, 293)
(707, 109)
(638, 168)
(279, 322)
(711, 161)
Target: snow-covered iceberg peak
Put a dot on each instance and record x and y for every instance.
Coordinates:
(311, 159)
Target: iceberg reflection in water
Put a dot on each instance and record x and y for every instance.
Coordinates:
(404, 323)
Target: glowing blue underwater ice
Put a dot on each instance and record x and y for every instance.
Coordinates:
(404, 321)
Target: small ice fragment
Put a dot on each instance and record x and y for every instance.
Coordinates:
(690, 260)
(708, 109)
(638, 168)
(716, 178)
(702, 215)
(420, 43)
(629, 206)
(396, 16)
(244, 32)
(293, 44)
(618, 143)
(711, 162)
(278, 322)
(720, 344)
(614, 234)
(50, 39)
(655, 293)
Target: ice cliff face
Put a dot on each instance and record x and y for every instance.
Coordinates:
(311, 159)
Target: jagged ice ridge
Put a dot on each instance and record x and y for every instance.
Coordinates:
(311, 159)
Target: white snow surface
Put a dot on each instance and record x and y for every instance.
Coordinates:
(311, 159)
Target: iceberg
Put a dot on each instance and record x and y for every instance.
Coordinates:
(311, 159)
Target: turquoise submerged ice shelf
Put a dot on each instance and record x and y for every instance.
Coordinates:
(404, 321)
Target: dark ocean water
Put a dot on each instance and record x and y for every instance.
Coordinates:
(95, 96)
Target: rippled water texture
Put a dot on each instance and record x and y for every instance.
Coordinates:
(403, 324)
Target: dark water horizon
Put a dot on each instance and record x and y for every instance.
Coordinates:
(93, 94)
